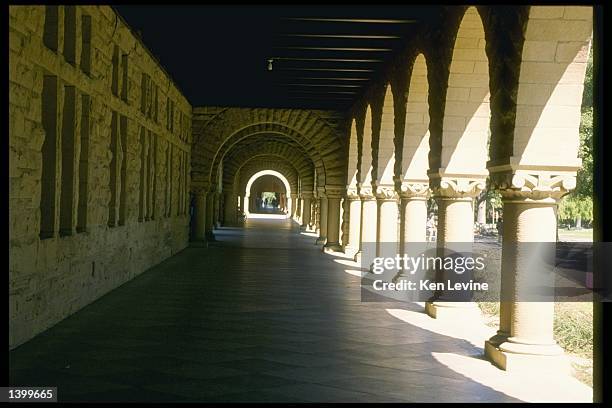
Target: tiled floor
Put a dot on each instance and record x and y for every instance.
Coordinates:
(260, 315)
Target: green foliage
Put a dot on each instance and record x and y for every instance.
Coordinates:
(579, 203)
(494, 198)
(584, 180)
(587, 95)
(573, 207)
(573, 327)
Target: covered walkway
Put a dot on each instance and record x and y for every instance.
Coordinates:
(262, 315)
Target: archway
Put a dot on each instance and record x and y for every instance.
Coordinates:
(249, 201)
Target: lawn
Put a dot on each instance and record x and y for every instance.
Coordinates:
(585, 234)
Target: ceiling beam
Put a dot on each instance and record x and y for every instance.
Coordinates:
(336, 49)
(356, 36)
(353, 20)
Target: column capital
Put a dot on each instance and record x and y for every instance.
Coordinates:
(307, 194)
(334, 191)
(458, 186)
(414, 189)
(366, 192)
(321, 192)
(352, 192)
(386, 193)
(536, 185)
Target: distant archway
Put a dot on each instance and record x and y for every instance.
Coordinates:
(262, 173)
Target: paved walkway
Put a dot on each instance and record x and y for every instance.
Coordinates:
(262, 316)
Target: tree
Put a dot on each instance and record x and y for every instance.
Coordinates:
(578, 205)
(575, 209)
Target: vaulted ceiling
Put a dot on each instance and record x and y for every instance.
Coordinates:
(321, 57)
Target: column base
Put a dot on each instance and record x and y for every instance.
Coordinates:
(357, 256)
(320, 240)
(210, 237)
(329, 248)
(350, 251)
(516, 357)
(452, 310)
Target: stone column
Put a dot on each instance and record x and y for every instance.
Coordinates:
(524, 341)
(219, 211)
(210, 205)
(354, 222)
(306, 210)
(481, 216)
(455, 197)
(369, 214)
(387, 221)
(293, 206)
(414, 211)
(298, 209)
(200, 215)
(229, 207)
(334, 195)
(323, 217)
(245, 205)
(314, 214)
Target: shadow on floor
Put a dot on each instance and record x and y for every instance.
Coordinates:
(261, 316)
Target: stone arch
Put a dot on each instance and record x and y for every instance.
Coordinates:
(266, 163)
(550, 86)
(260, 174)
(281, 134)
(385, 148)
(415, 138)
(353, 156)
(274, 173)
(253, 147)
(213, 136)
(466, 118)
(365, 168)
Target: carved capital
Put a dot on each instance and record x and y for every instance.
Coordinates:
(386, 193)
(458, 187)
(533, 184)
(306, 194)
(414, 189)
(321, 192)
(366, 192)
(352, 193)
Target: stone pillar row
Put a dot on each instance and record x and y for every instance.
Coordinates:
(524, 341)
(382, 213)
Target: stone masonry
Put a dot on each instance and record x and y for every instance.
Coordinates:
(113, 200)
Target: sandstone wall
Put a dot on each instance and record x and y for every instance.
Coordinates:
(99, 162)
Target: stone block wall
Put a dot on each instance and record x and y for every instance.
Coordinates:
(99, 162)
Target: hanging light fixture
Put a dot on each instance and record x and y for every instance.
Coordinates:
(270, 61)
